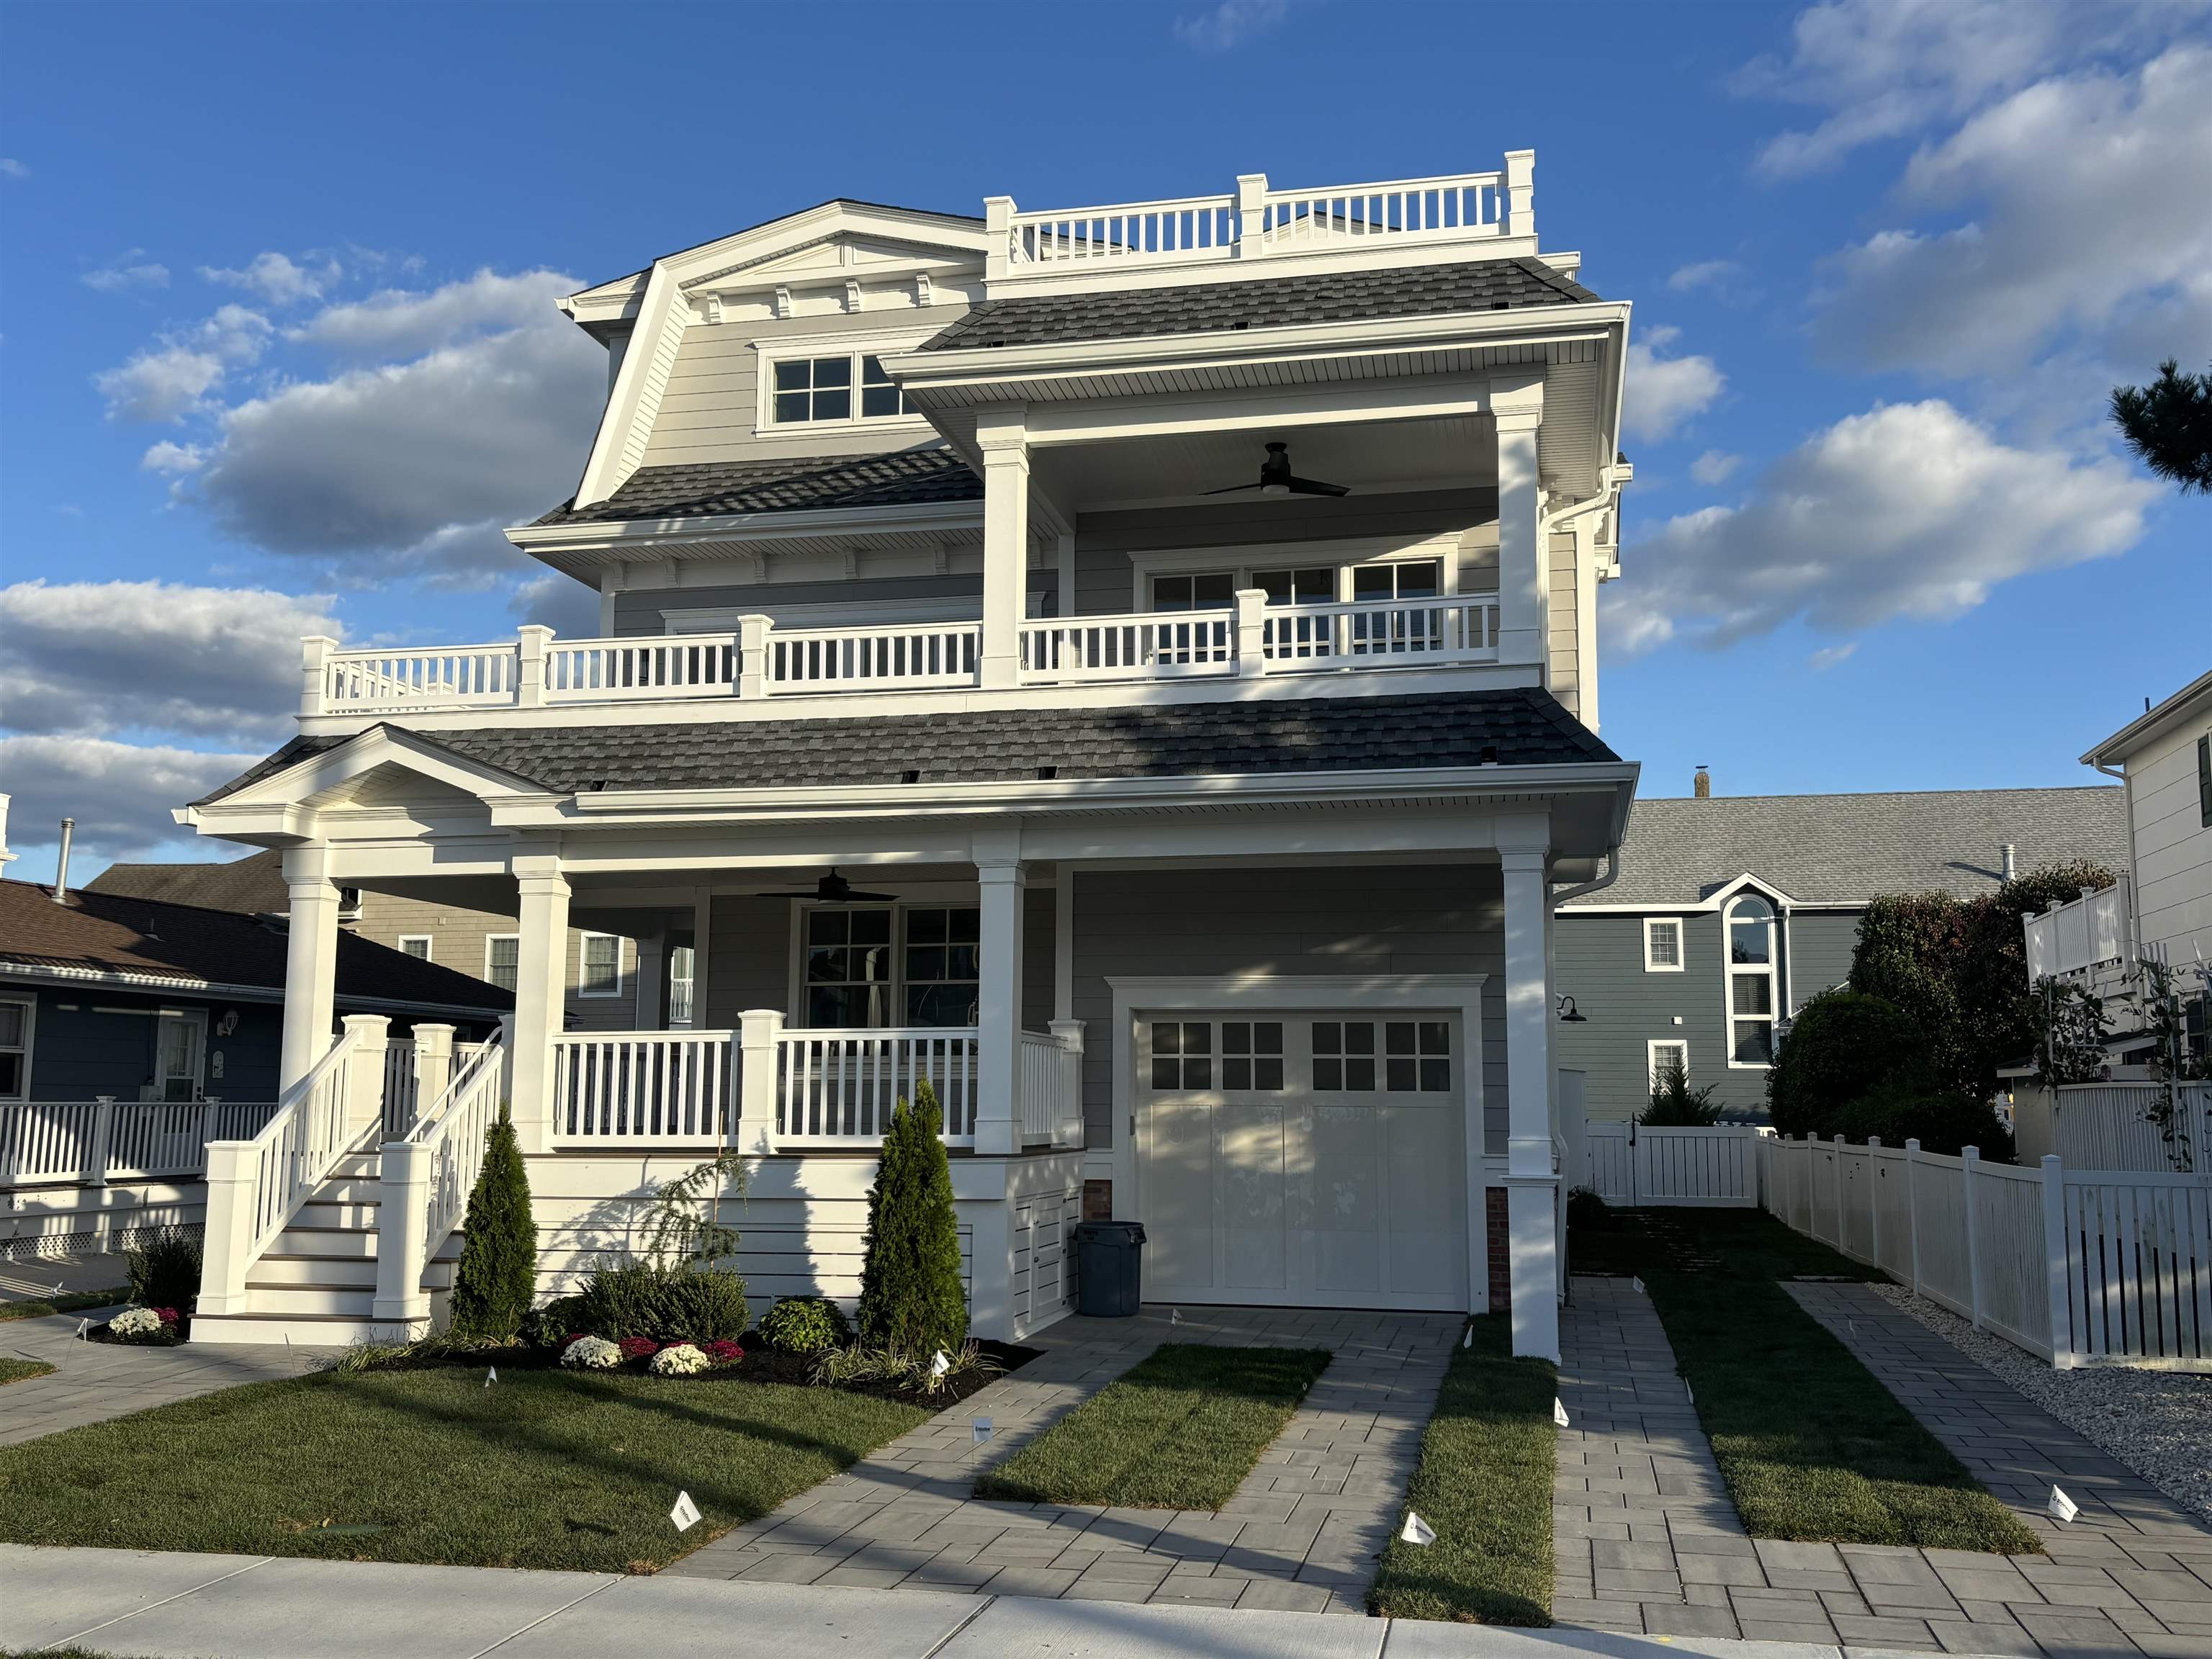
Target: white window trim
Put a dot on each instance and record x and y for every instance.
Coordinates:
(195, 1018)
(1651, 1059)
(492, 939)
(855, 346)
(1241, 562)
(429, 944)
(1773, 970)
(1681, 932)
(962, 897)
(30, 1007)
(583, 967)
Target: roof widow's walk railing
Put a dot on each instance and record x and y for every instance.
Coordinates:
(762, 660)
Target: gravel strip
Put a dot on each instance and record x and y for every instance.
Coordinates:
(2157, 1423)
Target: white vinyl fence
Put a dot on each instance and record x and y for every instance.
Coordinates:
(2078, 1266)
(2109, 1126)
(1636, 1165)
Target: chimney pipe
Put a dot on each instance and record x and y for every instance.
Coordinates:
(2011, 865)
(61, 863)
(1702, 785)
(5, 856)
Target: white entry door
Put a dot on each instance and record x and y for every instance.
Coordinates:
(1302, 1159)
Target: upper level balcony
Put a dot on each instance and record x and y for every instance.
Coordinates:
(859, 665)
(2088, 939)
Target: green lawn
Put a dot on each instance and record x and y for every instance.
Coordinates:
(1484, 1483)
(545, 1468)
(66, 1303)
(1812, 1446)
(16, 1371)
(1178, 1430)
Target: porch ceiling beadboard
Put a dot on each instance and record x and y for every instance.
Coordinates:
(1518, 726)
(1284, 302)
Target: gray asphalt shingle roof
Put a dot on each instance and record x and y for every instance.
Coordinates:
(1856, 848)
(1517, 727)
(905, 477)
(1283, 302)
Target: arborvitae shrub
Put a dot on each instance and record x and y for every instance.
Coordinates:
(498, 1279)
(911, 1298)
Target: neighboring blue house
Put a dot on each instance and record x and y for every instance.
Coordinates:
(1729, 913)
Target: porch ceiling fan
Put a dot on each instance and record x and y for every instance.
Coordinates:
(1276, 478)
(834, 889)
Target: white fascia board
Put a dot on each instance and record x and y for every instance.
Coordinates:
(1086, 794)
(380, 746)
(1715, 901)
(1532, 325)
(625, 538)
(121, 979)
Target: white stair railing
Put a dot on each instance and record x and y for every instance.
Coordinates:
(256, 1187)
(427, 1180)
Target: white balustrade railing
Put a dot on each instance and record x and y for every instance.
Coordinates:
(1192, 229)
(2083, 934)
(665, 1088)
(869, 658)
(453, 1130)
(1152, 645)
(1449, 208)
(839, 1088)
(1049, 1091)
(95, 1141)
(647, 668)
(442, 677)
(1452, 629)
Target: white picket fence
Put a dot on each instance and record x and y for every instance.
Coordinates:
(2080, 1266)
(1636, 1165)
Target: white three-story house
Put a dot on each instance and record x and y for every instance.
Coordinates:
(1133, 666)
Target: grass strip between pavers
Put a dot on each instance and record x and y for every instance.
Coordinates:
(1180, 1430)
(1812, 1445)
(1484, 1485)
(544, 1468)
(17, 1370)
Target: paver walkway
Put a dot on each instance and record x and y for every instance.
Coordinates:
(1302, 1533)
(35, 1278)
(1647, 1539)
(93, 1382)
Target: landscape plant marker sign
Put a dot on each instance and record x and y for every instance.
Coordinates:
(1559, 1411)
(685, 1515)
(1416, 1530)
(981, 1430)
(2062, 1508)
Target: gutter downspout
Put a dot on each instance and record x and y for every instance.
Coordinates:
(1612, 874)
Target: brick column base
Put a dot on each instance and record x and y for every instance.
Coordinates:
(1498, 1234)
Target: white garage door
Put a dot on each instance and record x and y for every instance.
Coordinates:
(1302, 1159)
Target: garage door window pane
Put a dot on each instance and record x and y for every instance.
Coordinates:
(1344, 1057)
(1417, 1056)
(1182, 1054)
(1251, 1055)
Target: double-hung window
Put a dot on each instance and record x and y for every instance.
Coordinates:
(944, 955)
(878, 965)
(1662, 944)
(1664, 1058)
(599, 967)
(503, 959)
(416, 945)
(1750, 982)
(809, 391)
(15, 1019)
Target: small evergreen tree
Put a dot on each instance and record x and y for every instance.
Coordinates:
(1675, 1104)
(498, 1279)
(911, 1300)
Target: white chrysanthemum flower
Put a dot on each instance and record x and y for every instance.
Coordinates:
(135, 1324)
(680, 1360)
(592, 1353)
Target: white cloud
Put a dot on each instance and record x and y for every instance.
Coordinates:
(173, 458)
(1230, 23)
(170, 380)
(99, 658)
(126, 272)
(12, 168)
(1829, 655)
(560, 603)
(1890, 68)
(1909, 510)
(1715, 466)
(1663, 392)
(2079, 189)
(121, 795)
(1706, 273)
(278, 280)
(400, 323)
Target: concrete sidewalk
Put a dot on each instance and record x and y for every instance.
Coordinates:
(146, 1606)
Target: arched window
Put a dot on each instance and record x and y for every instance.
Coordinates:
(1750, 982)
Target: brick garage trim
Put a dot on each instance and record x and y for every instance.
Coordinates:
(1495, 1236)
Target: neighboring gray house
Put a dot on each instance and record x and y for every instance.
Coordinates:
(1730, 914)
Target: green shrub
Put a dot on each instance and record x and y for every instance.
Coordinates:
(498, 1279)
(165, 1270)
(911, 1300)
(548, 1327)
(902, 1368)
(805, 1324)
(1941, 1121)
(642, 1298)
(1676, 1105)
(1843, 1046)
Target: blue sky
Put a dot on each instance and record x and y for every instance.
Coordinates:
(279, 351)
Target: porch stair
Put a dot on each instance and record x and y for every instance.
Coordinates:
(316, 1283)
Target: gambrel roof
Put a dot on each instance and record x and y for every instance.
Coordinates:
(1520, 726)
(1847, 849)
(1285, 302)
(782, 485)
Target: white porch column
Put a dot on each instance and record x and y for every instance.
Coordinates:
(758, 1031)
(310, 962)
(1532, 1191)
(1063, 946)
(999, 997)
(1001, 435)
(652, 970)
(1524, 583)
(540, 994)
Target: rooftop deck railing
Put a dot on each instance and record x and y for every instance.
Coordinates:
(761, 661)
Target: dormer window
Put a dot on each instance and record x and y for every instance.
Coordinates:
(812, 390)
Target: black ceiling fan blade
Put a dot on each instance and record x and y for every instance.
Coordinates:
(1233, 489)
(1315, 487)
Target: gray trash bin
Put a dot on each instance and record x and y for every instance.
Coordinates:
(1109, 1267)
